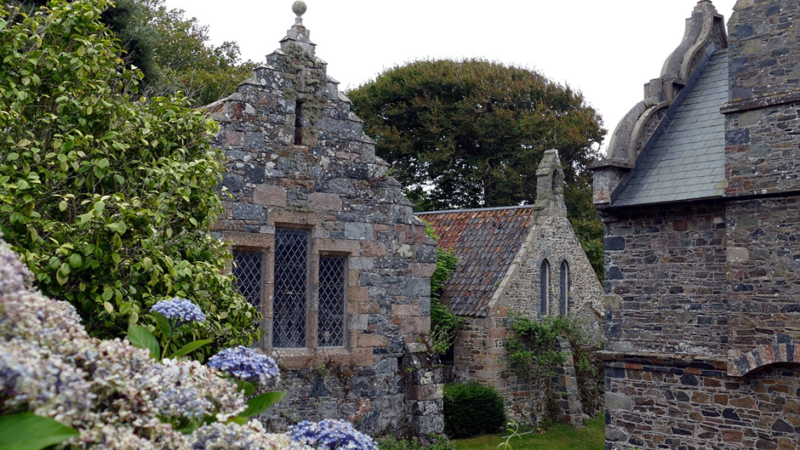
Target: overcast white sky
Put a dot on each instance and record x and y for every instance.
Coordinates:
(607, 49)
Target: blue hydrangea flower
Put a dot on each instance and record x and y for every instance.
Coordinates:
(183, 402)
(180, 309)
(331, 435)
(245, 364)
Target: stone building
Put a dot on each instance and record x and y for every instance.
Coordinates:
(524, 259)
(700, 198)
(326, 245)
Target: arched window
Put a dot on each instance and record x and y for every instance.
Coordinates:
(563, 301)
(544, 286)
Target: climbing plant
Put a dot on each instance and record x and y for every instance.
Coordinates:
(534, 355)
(444, 323)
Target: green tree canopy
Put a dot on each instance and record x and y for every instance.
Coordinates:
(108, 200)
(471, 134)
(172, 51)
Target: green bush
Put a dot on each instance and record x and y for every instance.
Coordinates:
(471, 409)
(108, 199)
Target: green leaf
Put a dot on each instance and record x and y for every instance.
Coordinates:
(246, 388)
(75, 260)
(190, 347)
(147, 263)
(62, 206)
(162, 323)
(103, 163)
(109, 307)
(142, 338)
(239, 420)
(26, 431)
(12, 157)
(261, 403)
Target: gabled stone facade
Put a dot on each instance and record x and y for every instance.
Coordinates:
(505, 254)
(703, 322)
(326, 244)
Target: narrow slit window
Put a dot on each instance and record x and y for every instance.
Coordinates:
(298, 123)
(331, 301)
(247, 270)
(544, 284)
(563, 304)
(291, 281)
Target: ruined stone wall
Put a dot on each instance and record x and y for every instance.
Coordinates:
(298, 159)
(665, 267)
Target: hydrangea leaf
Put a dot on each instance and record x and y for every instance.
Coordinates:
(261, 403)
(190, 347)
(142, 338)
(26, 431)
(244, 387)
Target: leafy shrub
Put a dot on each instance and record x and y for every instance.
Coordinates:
(116, 396)
(471, 409)
(108, 200)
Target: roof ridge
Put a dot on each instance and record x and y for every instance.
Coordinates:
(454, 211)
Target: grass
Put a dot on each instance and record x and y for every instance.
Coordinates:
(558, 437)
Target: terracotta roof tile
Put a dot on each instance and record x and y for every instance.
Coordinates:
(486, 242)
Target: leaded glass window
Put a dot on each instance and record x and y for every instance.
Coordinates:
(247, 270)
(331, 301)
(291, 279)
(544, 284)
(563, 303)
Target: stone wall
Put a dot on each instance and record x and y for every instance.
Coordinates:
(660, 402)
(665, 267)
(298, 159)
(762, 119)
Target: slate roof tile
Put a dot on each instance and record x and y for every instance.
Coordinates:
(689, 155)
(486, 242)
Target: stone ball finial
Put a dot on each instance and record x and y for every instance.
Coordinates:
(299, 8)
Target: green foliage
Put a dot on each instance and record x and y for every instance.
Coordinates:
(437, 442)
(26, 431)
(185, 59)
(471, 409)
(560, 436)
(533, 353)
(475, 131)
(586, 222)
(444, 323)
(108, 200)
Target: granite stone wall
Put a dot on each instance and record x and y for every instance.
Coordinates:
(298, 159)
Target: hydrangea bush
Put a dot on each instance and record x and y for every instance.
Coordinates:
(116, 395)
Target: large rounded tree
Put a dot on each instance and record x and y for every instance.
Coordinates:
(470, 134)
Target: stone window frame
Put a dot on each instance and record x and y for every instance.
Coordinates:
(544, 288)
(563, 294)
(312, 354)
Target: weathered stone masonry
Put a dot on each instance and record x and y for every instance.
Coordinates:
(703, 322)
(501, 254)
(298, 160)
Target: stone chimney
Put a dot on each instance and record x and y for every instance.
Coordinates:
(550, 187)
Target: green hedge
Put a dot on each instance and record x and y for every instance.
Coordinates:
(471, 409)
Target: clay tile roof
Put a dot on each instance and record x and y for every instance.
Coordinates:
(486, 242)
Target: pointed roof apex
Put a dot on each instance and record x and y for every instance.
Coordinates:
(299, 8)
(550, 187)
(299, 34)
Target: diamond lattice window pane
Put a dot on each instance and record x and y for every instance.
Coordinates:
(331, 301)
(291, 270)
(247, 270)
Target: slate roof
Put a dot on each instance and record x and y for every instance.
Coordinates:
(486, 242)
(687, 161)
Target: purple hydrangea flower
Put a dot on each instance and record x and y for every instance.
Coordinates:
(245, 364)
(181, 309)
(331, 435)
